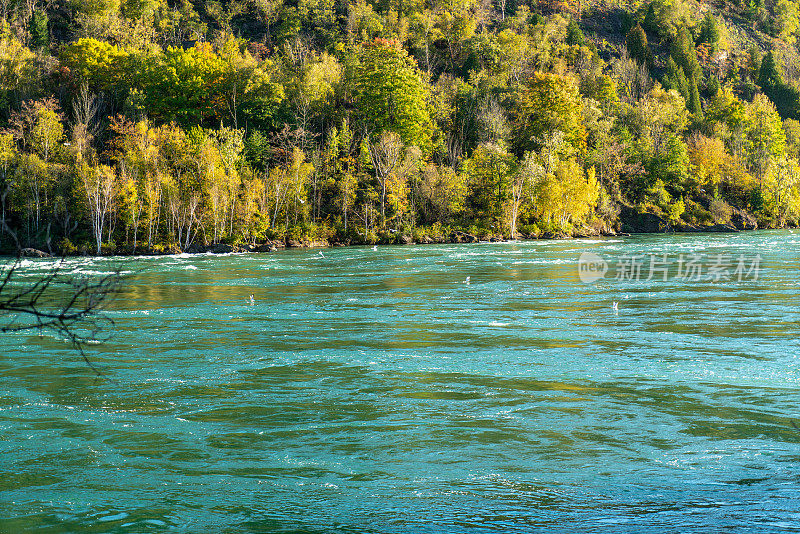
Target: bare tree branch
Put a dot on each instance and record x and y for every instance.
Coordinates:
(63, 302)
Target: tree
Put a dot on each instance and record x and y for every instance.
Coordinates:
(710, 31)
(37, 26)
(386, 155)
(753, 61)
(549, 103)
(97, 63)
(238, 68)
(17, 69)
(636, 41)
(574, 33)
(708, 159)
(684, 53)
(693, 104)
(184, 84)
(785, 21)
(667, 17)
(38, 128)
(676, 79)
(765, 135)
(672, 165)
(528, 173)
(489, 173)
(99, 187)
(769, 77)
(66, 304)
(8, 154)
(390, 94)
(443, 192)
(567, 196)
(85, 126)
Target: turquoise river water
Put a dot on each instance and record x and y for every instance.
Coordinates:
(378, 391)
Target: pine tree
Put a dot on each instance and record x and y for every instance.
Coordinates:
(684, 53)
(636, 41)
(650, 18)
(40, 36)
(574, 33)
(693, 104)
(769, 77)
(676, 79)
(709, 31)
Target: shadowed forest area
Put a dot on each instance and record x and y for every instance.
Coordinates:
(159, 126)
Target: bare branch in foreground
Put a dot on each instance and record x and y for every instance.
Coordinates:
(63, 302)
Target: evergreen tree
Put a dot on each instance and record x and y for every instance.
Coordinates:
(693, 104)
(636, 41)
(709, 31)
(650, 18)
(754, 61)
(785, 97)
(769, 77)
(684, 53)
(676, 79)
(574, 33)
(40, 36)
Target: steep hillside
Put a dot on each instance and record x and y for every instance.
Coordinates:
(177, 125)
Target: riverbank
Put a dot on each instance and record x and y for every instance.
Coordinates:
(630, 221)
(455, 237)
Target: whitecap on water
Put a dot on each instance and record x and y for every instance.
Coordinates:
(597, 241)
(190, 268)
(91, 272)
(115, 517)
(544, 262)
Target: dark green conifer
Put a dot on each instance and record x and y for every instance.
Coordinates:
(769, 77)
(574, 33)
(636, 41)
(684, 53)
(40, 35)
(676, 79)
(754, 61)
(693, 104)
(709, 31)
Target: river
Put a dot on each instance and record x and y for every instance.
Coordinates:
(384, 391)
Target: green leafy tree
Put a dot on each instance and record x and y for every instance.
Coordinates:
(765, 135)
(184, 84)
(390, 94)
(490, 171)
(548, 103)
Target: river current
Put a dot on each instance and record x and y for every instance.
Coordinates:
(434, 388)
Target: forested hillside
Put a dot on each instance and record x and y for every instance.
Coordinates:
(152, 125)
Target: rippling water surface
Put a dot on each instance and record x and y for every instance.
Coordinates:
(376, 391)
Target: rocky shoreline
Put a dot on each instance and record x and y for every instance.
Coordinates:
(648, 224)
